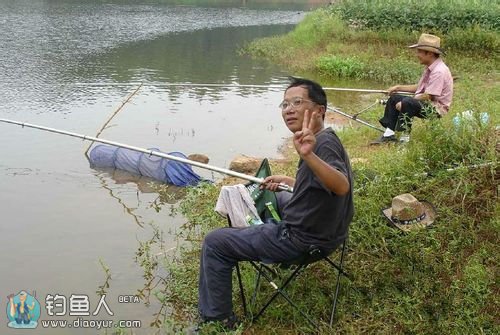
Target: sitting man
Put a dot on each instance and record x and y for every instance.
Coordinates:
(317, 213)
(433, 93)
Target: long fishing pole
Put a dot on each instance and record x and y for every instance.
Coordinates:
(282, 187)
(355, 119)
(113, 115)
(340, 89)
(283, 87)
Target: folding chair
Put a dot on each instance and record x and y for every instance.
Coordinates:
(265, 201)
(297, 267)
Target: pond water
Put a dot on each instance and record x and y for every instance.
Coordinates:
(69, 64)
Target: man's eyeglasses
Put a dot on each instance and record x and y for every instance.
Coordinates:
(295, 103)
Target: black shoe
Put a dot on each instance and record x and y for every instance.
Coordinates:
(384, 139)
(231, 323)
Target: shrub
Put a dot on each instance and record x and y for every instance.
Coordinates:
(348, 67)
(430, 15)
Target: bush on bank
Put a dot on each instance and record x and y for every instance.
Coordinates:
(411, 15)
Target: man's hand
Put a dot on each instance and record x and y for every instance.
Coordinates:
(393, 89)
(305, 140)
(272, 183)
(423, 97)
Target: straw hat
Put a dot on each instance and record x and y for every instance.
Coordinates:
(428, 42)
(407, 213)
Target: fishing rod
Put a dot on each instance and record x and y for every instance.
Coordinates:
(113, 115)
(283, 87)
(362, 90)
(339, 89)
(355, 119)
(355, 115)
(282, 187)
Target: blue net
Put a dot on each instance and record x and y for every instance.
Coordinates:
(162, 169)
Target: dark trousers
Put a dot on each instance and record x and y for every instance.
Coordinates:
(410, 107)
(223, 248)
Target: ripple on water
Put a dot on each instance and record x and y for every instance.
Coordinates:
(46, 46)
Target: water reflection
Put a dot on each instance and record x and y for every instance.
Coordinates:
(130, 211)
(203, 56)
(56, 52)
(144, 185)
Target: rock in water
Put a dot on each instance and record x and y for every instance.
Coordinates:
(245, 164)
(200, 158)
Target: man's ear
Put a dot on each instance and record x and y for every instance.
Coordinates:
(322, 111)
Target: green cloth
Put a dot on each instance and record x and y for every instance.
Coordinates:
(261, 197)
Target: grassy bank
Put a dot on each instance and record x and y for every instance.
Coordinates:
(438, 281)
(368, 39)
(443, 280)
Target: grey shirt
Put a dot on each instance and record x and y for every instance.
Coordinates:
(315, 215)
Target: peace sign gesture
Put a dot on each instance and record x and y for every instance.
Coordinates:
(305, 140)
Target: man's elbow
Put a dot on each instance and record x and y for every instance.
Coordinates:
(342, 189)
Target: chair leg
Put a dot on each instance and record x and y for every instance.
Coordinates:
(261, 270)
(280, 291)
(256, 289)
(240, 283)
(338, 268)
(335, 297)
(242, 292)
(277, 289)
(339, 275)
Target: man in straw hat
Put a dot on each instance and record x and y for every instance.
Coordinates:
(432, 94)
(407, 213)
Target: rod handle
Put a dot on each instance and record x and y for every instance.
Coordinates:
(285, 187)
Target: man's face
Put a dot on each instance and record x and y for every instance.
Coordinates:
(297, 101)
(424, 57)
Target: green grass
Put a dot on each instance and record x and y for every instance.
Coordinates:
(442, 280)
(431, 15)
(354, 67)
(438, 281)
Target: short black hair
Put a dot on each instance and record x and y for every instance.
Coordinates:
(314, 90)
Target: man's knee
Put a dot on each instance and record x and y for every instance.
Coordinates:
(395, 101)
(213, 238)
(398, 106)
(409, 105)
(392, 99)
